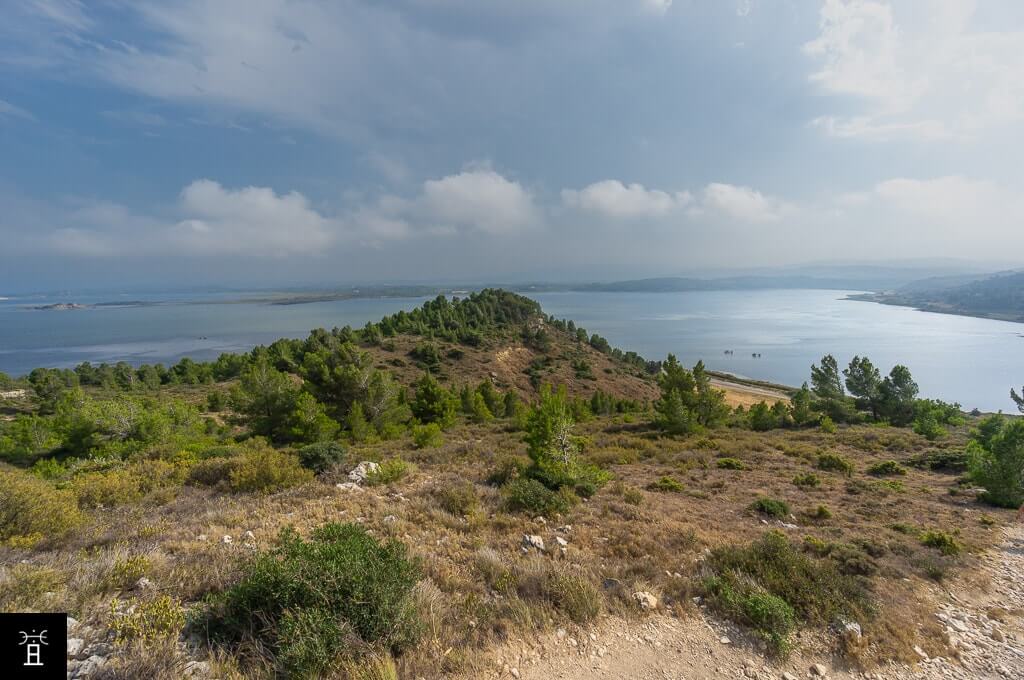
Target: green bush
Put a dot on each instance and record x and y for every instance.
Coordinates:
(107, 488)
(31, 509)
(807, 480)
(458, 499)
(528, 495)
(827, 425)
(943, 542)
(666, 484)
(821, 513)
(731, 464)
(265, 470)
(302, 600)
(996, 461)
(321, 456)
(770, 506)
(507, 468)
(427, 436)
(834, 462)
(162, 618)
(771, 617)
(814, 589)
(889, 467)
(389, 472)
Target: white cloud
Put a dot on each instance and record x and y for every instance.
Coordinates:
(614, 199)
(212, 221)
(479, 199)
(743, 203)
(925, 73)
(249, 221)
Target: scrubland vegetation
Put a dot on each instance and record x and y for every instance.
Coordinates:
(509, 473)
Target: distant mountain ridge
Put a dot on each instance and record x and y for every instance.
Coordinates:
(996, 296)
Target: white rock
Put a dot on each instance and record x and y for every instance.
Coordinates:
(819, 670)
(249, 536)
(390, 518)
(561, 541)
(201, 537)
(646, 600)
(725, 640)
(349, 486)
(75, 646)
(361, 471)
(143, 584)
(226, 539)
(533, 541)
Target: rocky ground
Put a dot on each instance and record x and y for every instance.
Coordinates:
(985, 626)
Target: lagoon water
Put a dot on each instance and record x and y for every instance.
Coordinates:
(972, 361)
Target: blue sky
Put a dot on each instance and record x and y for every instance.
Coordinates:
(290, 141)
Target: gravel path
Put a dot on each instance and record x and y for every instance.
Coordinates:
(985, 628)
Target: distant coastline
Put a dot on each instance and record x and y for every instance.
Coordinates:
(897, 300)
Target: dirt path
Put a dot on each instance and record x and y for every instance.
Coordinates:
(986, 628)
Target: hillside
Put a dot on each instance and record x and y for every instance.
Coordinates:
(411, 499)
(999, 296)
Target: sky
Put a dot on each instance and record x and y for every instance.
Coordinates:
(293, 142)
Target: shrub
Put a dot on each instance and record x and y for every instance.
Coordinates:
(211, 472)
(507, 468)
(770, 506)
(889, 467)
(807, 480)
(389, 472)
(996, 461)
(529, 495)
(458, 499)
(301, 599)
(427, 436)
(771, 617)
(666, 484)
(827, 425)
(321, 456)
(31, 509)
(265, 470)
(157, 619)
(834, 462)
(814, 589)
(107, 488)
(943, 542)
(731, 464)
(821, 513)
(126, 572)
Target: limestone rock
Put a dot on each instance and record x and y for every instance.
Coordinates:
(363, 470)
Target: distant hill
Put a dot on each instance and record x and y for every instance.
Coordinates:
(998, 296)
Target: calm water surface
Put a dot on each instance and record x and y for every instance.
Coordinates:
(955, 358)
(973, 361)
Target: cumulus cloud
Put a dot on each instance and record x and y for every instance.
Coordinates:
(479, 199)
(743, 203)
(249, 221)
(615, 199)
(927, 79)
(213, 221)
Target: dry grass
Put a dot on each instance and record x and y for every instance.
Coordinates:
(480, 587)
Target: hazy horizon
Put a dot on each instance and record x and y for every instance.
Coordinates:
(286, 143)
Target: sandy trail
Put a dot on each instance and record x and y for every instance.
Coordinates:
(985, 627)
